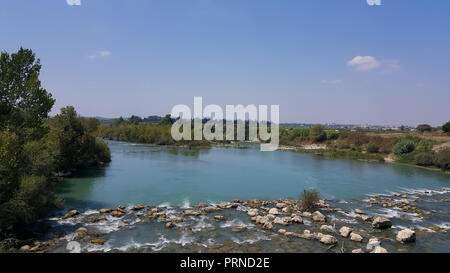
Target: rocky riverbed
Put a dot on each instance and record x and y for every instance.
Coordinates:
(409, 221)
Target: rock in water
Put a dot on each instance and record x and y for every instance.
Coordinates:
(319, 217)
(70, 214)
(98, 241)
(297, 219)
(326, 239)
(268, 226)
(273, 211)
(280, 221)
(138, 207)
(192, 212)
(359, 250)
(252, 212)
(356, 237)
(220, 217)
(345, 231)
(373, 243)
(25, 248)
(379, 249)
(406, 236)
(327, 228)
(117, 213)
(381, 223)
(81, 230)
(239, 228)
(358, 211)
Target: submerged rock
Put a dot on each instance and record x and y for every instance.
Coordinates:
(381, 223)
(406, 236)
(358, 250)
(345, 231)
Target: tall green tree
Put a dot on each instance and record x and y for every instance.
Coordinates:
(24, 104)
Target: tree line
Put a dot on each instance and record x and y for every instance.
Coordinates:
(35, 149)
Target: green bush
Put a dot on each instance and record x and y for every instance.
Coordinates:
(424, 159)
(442, 159)
(424, 128)
(372, 148)
(309, 198)
(332, 134)
(317, 133)
(403, 146)
(446, 127)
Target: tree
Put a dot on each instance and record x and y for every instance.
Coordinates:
(167, 120)
(135, 119)
(446, 127)
(317, 133)
(424, 128)
(24, 104)
(403, 146)
(372, 148)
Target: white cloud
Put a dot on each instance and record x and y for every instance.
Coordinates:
(73, 2)
(373, 2)
(363, 63)
(334, 82)
(101, 53)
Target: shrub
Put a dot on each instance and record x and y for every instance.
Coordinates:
(442, 159)
(372, 148)
(424, 158)
(403, 146)
(446, 127)
(309, 198)
(332, 134)
(424, 128)
(317, 133)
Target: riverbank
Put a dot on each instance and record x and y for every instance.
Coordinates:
(395, 222)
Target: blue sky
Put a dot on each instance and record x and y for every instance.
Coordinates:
(117, 58)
